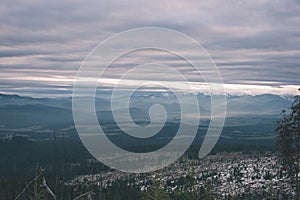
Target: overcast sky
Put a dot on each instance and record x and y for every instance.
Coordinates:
(255, 44)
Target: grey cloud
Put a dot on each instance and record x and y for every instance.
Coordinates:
(62, 60)
(40, 37)
(18, 53)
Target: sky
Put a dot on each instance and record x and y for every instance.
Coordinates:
(255, 44)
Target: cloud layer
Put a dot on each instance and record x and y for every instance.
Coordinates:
(254, 43)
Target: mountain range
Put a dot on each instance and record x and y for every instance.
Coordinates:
(18, 112)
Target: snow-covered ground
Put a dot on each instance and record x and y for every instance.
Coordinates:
(224, 174)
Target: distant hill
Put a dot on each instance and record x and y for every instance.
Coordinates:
(17, 116)
(17, 111)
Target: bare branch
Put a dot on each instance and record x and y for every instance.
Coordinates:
(24, 190)
(48, 189)
(85, 194)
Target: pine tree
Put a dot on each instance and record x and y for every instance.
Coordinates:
(288, 143)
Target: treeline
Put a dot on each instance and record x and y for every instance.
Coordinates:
(61, 159)
(64, 157)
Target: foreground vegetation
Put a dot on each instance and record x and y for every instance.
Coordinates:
(44, 166)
